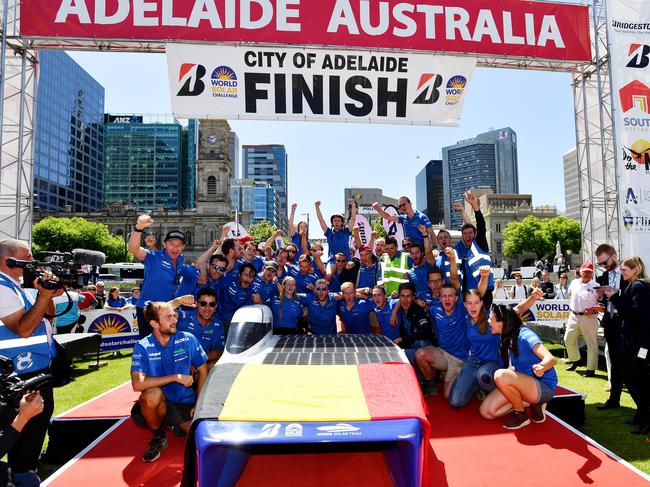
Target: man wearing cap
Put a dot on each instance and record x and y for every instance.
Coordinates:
(161, 268)
(265, 285)
(338, 237)
(583, 303)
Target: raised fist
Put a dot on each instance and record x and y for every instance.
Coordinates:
(144, 221)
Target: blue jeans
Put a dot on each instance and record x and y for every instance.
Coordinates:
(410, 355)
(474, 376)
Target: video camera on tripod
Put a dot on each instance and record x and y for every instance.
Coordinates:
(69, 267)
(13, 388)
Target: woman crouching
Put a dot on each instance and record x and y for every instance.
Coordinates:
(531, 379)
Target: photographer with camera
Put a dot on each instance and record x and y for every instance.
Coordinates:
(26, 339)
(11, 426)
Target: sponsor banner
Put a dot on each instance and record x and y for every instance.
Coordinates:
(316, 85)
(628, 31)
(119, 329)
(108, 118)
(364, 233)
(551, 312)
(506, 28)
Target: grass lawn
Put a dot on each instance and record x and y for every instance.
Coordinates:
(606, 427)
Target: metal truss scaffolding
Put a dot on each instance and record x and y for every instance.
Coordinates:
(593, 115)
(596, 151)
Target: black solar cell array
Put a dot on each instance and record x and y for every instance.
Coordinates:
(333, 350)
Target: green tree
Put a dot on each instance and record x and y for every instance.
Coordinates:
(528, 235)
(66, 234)
(262, 231)
(378, 227)
(566, 231)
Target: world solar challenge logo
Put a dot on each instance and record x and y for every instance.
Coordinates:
(223, 83)
(110, 324)
(454, 89)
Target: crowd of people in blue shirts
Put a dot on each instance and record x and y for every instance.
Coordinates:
(434, 300)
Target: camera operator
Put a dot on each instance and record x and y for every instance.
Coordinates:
(11, 426)
(26, 338)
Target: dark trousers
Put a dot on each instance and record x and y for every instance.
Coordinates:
(144, 329)
(636, 374)
(27, 450)
(617, 361)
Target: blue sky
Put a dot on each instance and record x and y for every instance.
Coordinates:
(324, 158)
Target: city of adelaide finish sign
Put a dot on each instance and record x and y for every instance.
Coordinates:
(320, 85)
(542, 30)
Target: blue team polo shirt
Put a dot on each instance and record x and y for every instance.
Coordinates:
(451, 330)
(419, 277)
(182, 352)
(189, 277)
(322, 317)
(303, 280)
(429, 299)
(161, 277)
(211, 336)
(234, 297)
(291, 311)
(316, 269)
(383, 317)
(338, 242)
(113, 303)
(524, 362)
(483, 348)
(265, 290)
(411, 225)
(335, 283)
(367, 276)
(356, 319)
(257, 261)
(295, 239)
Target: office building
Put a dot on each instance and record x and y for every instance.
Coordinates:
(150, 165)
(254, 201)
(571, 185)
(268, 164)
(501, 209)
(234, 155)
(488, 160)
(69, 137)
(429, 192)
(365, 197)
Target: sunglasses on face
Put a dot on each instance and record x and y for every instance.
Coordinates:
(291, 251)
(321, 288)
(212, 304)
(341, 261)
(402, 205)
(219, 268)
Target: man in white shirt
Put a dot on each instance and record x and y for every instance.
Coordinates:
(519, 290)
(583, 303)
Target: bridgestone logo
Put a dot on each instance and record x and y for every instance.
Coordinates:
(630, 25)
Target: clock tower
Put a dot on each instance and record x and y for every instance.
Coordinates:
(213, 170)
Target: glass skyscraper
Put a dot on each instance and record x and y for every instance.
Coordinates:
(258, 200)
(488, 160)
(429, 192)
(268, 163)
(69, 136)
(150, 165)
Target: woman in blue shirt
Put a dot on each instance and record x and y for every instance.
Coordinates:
(115, 301)
(286, 309)
(483, 356)
(529, 382)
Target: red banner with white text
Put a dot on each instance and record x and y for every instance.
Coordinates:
(553, 31)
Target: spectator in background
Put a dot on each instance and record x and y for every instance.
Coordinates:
(135, 295)
(100, 294)
(67, 321)
(499, 291)
(547, 287)
(506, 270)
(519, 291)
(562, 288)
(535, 283)
(115, 301)
(89, 301)
(584, 305)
